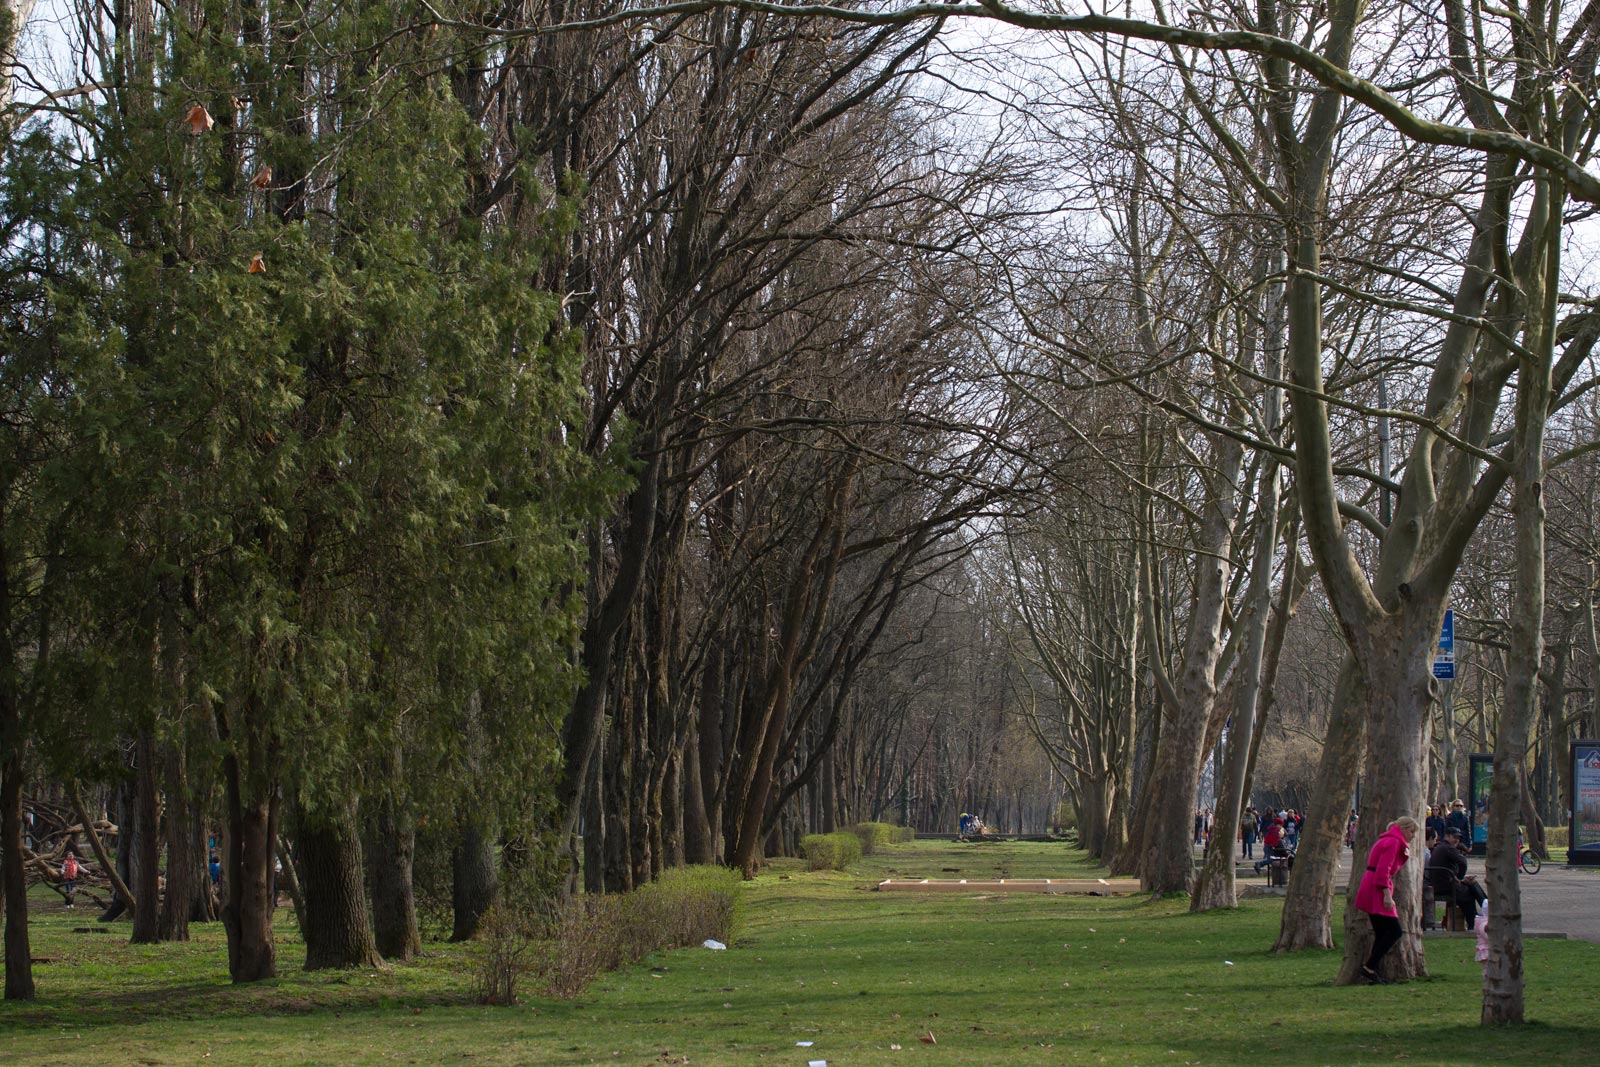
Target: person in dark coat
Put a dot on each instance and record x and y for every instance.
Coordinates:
(1375, 896)
(1459, 819)
(1447, 873)
(1435, 822)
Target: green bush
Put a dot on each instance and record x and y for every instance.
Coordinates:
(873, 835)
(596, 934)
(877, 835)
(830, 852)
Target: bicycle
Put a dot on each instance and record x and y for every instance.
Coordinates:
(1529, 862)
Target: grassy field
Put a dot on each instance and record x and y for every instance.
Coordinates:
(822, 958)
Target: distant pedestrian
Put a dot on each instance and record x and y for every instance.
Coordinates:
(1459, 819)
(69, 876)
(1435, 821)
(214, 868)
(1247, 833)
(1375, 896)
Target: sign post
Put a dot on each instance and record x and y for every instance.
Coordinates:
(1444, 660)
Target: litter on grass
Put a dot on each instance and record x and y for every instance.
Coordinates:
(715, 946)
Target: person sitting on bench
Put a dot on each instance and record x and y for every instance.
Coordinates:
(1273, 846)
(1447, 873)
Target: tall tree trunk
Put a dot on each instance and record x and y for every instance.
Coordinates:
(595, 831)
(1502, 972)
(125, 801)
(1216, 885)
(1169, 864)
(147, 852)
(697, 840)
(1307, 920)
(389, 872)
(475, 884)
(1397, 703)
(183, 877)
(252, 812)
(327, 860)
(19, 958)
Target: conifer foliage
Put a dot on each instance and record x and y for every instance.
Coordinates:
(289, 496)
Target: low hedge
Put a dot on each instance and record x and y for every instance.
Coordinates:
(877, 835)
(830, 852)
(595, 934)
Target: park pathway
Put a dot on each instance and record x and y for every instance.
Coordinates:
(1559, 900)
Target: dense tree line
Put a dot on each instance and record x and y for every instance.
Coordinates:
(432, 454)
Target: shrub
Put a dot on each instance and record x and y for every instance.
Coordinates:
(830, 852)
(877, 835)
(595, 934)
(904, 835)
(503, 947)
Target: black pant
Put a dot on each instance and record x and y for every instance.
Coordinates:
(1385, 932)
(1469, 897)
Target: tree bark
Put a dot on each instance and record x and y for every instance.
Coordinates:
(1502, 972)
(1397, 701)
(19, 958)
(182, 876)
(327, 860)
(389, 867)
(147, 848)
(1169, 863)
(698, 846)
(252, 813)
(476, 884)
(1216, 885)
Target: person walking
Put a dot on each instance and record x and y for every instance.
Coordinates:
(69, 876)
(1375, 895)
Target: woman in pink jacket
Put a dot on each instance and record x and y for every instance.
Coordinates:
(1375, 895)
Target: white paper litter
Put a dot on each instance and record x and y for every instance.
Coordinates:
(714, 946)
(804, 1044)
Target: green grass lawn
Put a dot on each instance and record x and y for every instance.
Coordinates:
(822, 958)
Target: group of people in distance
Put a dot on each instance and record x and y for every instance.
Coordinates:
(1445, 869)
(1279, 832)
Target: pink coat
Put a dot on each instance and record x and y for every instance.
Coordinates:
(1389, 853)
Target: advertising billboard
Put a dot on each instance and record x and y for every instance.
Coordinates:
(1481, 780)
(1585, 839)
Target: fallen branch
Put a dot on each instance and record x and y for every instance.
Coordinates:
(118, 886)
